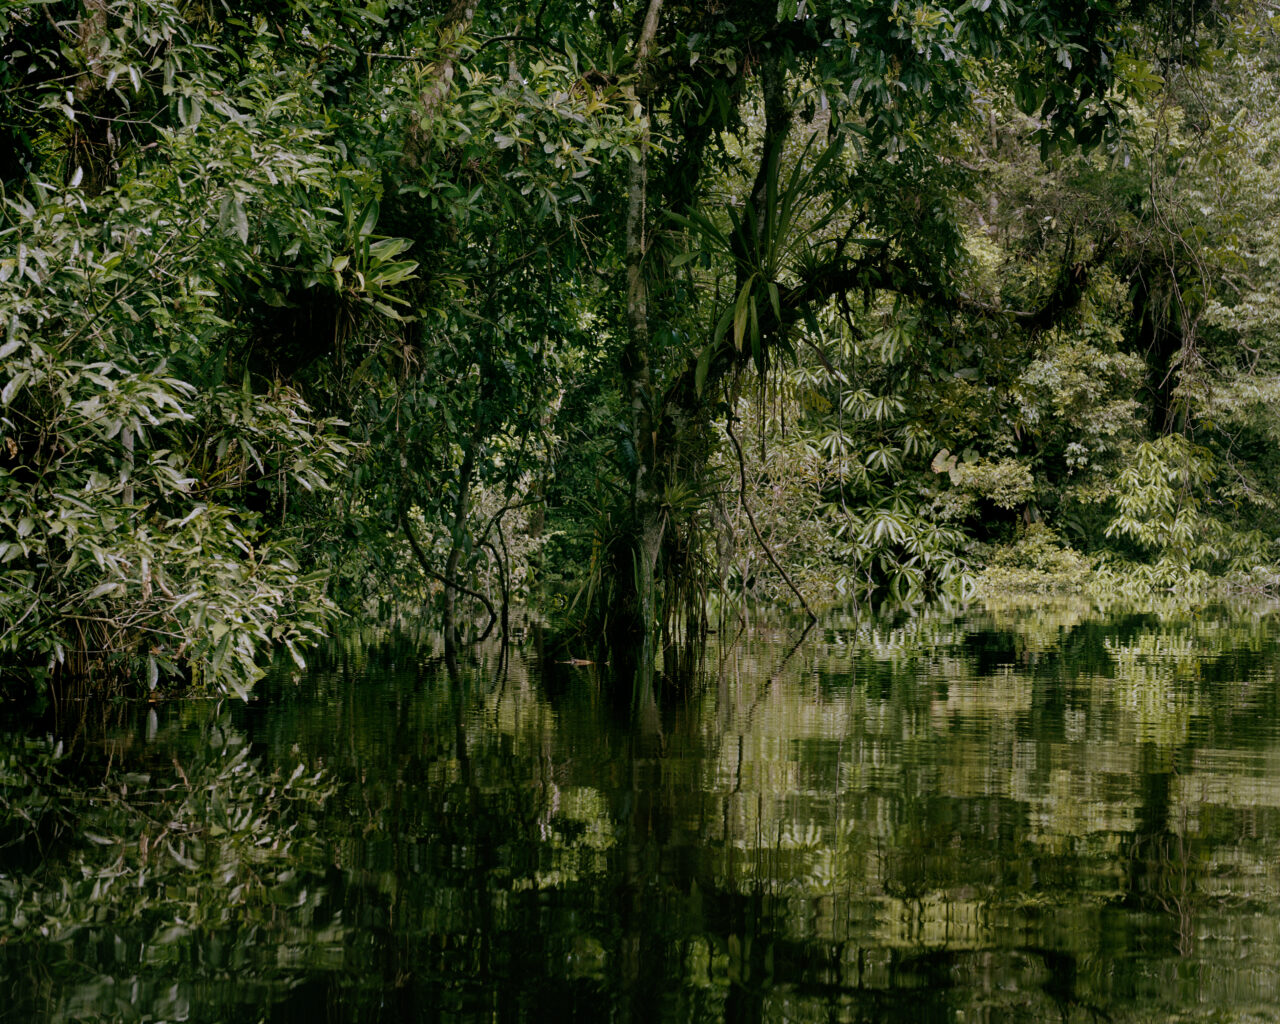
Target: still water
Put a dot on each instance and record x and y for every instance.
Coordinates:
(1059, 812)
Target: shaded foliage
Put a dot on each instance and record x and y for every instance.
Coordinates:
(323, 305)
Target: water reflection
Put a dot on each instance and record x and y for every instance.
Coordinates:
(1062, 812)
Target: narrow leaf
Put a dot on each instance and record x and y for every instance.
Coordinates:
(240, 221)
(775, 300)
(11, 389)
(369, 218)
(704, 365)
(740, 312)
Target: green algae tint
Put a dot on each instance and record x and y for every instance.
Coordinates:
(1056, 812)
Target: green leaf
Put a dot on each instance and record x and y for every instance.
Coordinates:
(394, 273)
(11, 389)
(388, 248)
(232, 218)
(369, 218)
(219, 655)
(295, 654)
(189, 110)
(741, 310)
(704, 365)
(722, 327)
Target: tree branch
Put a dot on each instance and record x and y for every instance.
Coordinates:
(426, 568)
(742, 479)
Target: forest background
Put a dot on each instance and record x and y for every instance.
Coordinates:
(633, 310)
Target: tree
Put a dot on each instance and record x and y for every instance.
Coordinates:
(813, 161)
(299, 294)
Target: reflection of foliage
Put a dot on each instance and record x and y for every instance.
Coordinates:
(199, 853)
(987, 800)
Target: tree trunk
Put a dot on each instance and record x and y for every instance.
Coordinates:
(92, 142)
(126, 463)
(439, 78)
(645, 487)
(90, 32)
(461, 510)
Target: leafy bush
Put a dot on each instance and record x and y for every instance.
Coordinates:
(1037, 560)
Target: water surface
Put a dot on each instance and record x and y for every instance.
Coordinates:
(1057, 812)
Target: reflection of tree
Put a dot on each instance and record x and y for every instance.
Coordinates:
(886, 825)
(1161, 870)
(172, 864)
(882, 825)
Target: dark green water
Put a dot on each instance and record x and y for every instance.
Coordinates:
(1046, 813)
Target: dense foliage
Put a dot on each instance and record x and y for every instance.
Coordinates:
(322, 306)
